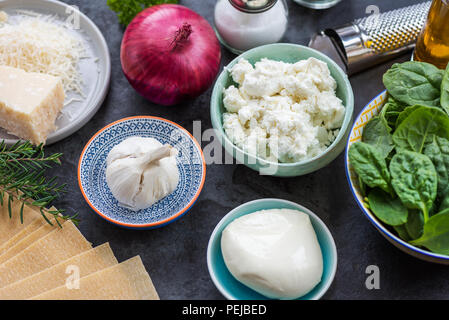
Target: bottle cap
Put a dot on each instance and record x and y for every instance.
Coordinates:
(253, 6)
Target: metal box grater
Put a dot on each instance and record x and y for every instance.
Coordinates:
(373, 39)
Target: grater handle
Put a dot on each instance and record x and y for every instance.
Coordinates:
(375, 39)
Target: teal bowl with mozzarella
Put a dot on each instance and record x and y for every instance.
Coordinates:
(232, 289)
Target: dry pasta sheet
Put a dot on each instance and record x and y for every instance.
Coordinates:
(59, 245)
(11, 226)
(26, 242)
(26, 230)
(126, 281)
(85, 263)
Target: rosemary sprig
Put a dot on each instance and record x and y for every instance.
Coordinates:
(22, 178)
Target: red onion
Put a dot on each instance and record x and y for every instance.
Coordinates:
(170, 53)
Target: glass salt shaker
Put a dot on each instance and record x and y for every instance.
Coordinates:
(245, 24)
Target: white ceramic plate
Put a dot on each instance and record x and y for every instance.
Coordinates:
(95, 70)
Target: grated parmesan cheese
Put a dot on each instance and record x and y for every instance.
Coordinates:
(39, 44)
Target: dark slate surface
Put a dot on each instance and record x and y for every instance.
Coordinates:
(175, 256)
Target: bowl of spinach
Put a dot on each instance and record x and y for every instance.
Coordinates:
(397, 160)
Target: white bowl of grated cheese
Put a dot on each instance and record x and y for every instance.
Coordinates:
(282, 109)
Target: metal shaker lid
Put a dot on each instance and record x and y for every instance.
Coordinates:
(253, 6)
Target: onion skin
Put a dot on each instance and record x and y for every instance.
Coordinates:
(163, 61)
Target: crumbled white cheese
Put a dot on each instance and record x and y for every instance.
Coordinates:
(3, 17)
(282, 112)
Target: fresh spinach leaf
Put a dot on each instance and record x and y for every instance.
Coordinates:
(389, 210)
(444, 203)
(391, 111)
(377, 133)
(445, 90)
(415, 224)
(402, 232)
(414, 179)
(370, 166)
(414, 82)
(362, 186)
(420, 127)
(435, 208)
(435, 236)
(438, 152)
(404, 114)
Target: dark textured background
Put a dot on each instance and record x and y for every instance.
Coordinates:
(175, 256)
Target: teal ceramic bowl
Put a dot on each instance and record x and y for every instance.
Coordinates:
(233, 289)
(288, 53)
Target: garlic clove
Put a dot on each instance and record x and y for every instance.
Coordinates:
(123, 177)
(156, 155)
(159, 180)
(141, 171)
(133, 147)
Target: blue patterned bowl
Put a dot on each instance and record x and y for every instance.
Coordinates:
(233, 289)
(92, 172)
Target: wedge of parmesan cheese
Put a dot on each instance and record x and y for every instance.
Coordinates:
(86, 263)
(26, 242)
(29, 103)
(12, 226)
(59, 245)
(126, 281)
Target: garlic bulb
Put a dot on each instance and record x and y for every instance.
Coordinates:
(141, 171)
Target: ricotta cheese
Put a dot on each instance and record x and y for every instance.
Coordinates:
(282, 112)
